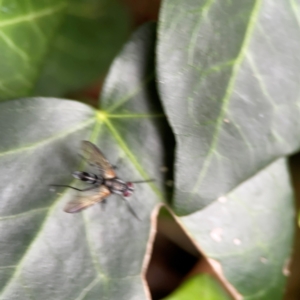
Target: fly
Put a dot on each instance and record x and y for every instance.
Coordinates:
(106, 182)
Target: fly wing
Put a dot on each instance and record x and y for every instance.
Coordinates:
(87, 201)
(96, 157)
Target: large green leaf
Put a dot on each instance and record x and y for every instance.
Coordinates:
(26, 28)
(228, 74)
(92, 33)
(48, 254)
(229, 79)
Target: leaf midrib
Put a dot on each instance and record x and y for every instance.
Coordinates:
(226, 99)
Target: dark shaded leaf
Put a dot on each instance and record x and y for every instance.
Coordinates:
(26, 28)
(92, 33)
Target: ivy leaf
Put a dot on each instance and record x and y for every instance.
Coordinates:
(242, 237)
(228, 81)
(202, 287)
(26, 28)
(94, 253)
(91, 35)
(228, 77)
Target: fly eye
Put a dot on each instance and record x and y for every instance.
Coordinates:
(130, 186)
(126, 193)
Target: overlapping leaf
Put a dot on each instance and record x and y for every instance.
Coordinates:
(242, 233)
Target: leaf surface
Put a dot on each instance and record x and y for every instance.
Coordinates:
(46, 253)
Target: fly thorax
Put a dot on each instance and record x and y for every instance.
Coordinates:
(116, 185)
(85, 176)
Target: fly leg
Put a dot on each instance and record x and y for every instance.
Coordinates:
(118, 163)
(103, 204)
(131, 209)
(74, 188)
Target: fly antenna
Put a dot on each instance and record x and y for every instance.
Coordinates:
(142, 181)
(131, 209)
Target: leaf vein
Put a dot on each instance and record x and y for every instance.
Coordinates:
(32, 16)
(14, 47)
(26, 213)
(131, 93)
(48, 140)
(130, 155)
(226, 99)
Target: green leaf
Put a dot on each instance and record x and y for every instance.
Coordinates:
(95, 254)
(230, 87)
(247, 235)
(228, 77)
(202, 287)
(91, 35)
(26, 29)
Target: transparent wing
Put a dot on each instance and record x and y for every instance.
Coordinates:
(96, 157)
(87, 201)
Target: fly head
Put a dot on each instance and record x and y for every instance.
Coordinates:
(129, 189)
